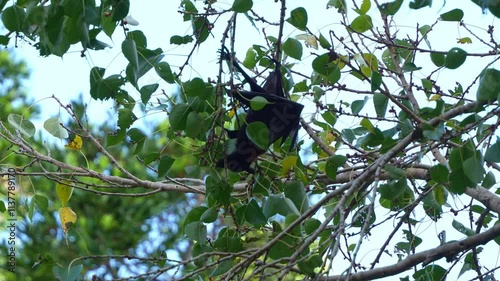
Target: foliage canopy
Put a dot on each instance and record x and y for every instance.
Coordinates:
(395, 141)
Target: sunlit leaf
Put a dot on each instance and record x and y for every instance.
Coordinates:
(67, 218)
(75, 144)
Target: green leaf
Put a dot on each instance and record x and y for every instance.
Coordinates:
(13, 18)
(223, 266)
(115, 138)
(332, 165)
(194, 215)
(323, 42)
(434, 201)
(489, 180)
(424, 30)
(388, 61)
(453, 15)
(455, 58)
(36, 15)
(164, 71)
(104, 88)
(201, 27)
(310, 225)
(178, 116)
(120, 10)
(54, 127)
(434, 133)
(380, 101)
(139, 38)
(228, 241)
(296, 192)
(210, 215)
(439, 173)
(410, 66)
(462, 229)
(64, 192)
(24, 126)
(326, 66)
(4, 40)
(41, 201)
(389, 191)
(365, 7)
(391, 8)
(293, 48)
(147, 60)
(463, 162)
(376, 81)
(365, 123)
(340, 5)
(125, 118)
(180, 40)
(418, 4)
(164, 165)
(196, 231)
(358, 105)
(218, 192)
(250, 60)
(257, 103)
(489, 85)
(275, 204)
(493, 152)
(309, 265)
(242, 6)
(146, 92)
(193, 124)
(298, 18)
(395, 172)
(430, 272)
(254, 214)
(360, 217)
(258, 133)
(330, 117)
(473, 168)
(362, 23)
(138, 138)
(438, 59)
(129, 50)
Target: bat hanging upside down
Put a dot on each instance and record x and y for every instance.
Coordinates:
(280, 115)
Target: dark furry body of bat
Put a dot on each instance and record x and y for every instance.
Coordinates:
(280, 115)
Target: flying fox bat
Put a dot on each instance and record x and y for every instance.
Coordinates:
(280, 115)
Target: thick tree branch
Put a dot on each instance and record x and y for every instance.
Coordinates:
(448, 250)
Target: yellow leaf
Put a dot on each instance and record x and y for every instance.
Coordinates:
(67, 217)
(288, 163)
(64, 192)
(231, 113)
(464, 40)
(435, 97)
(75, 144)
